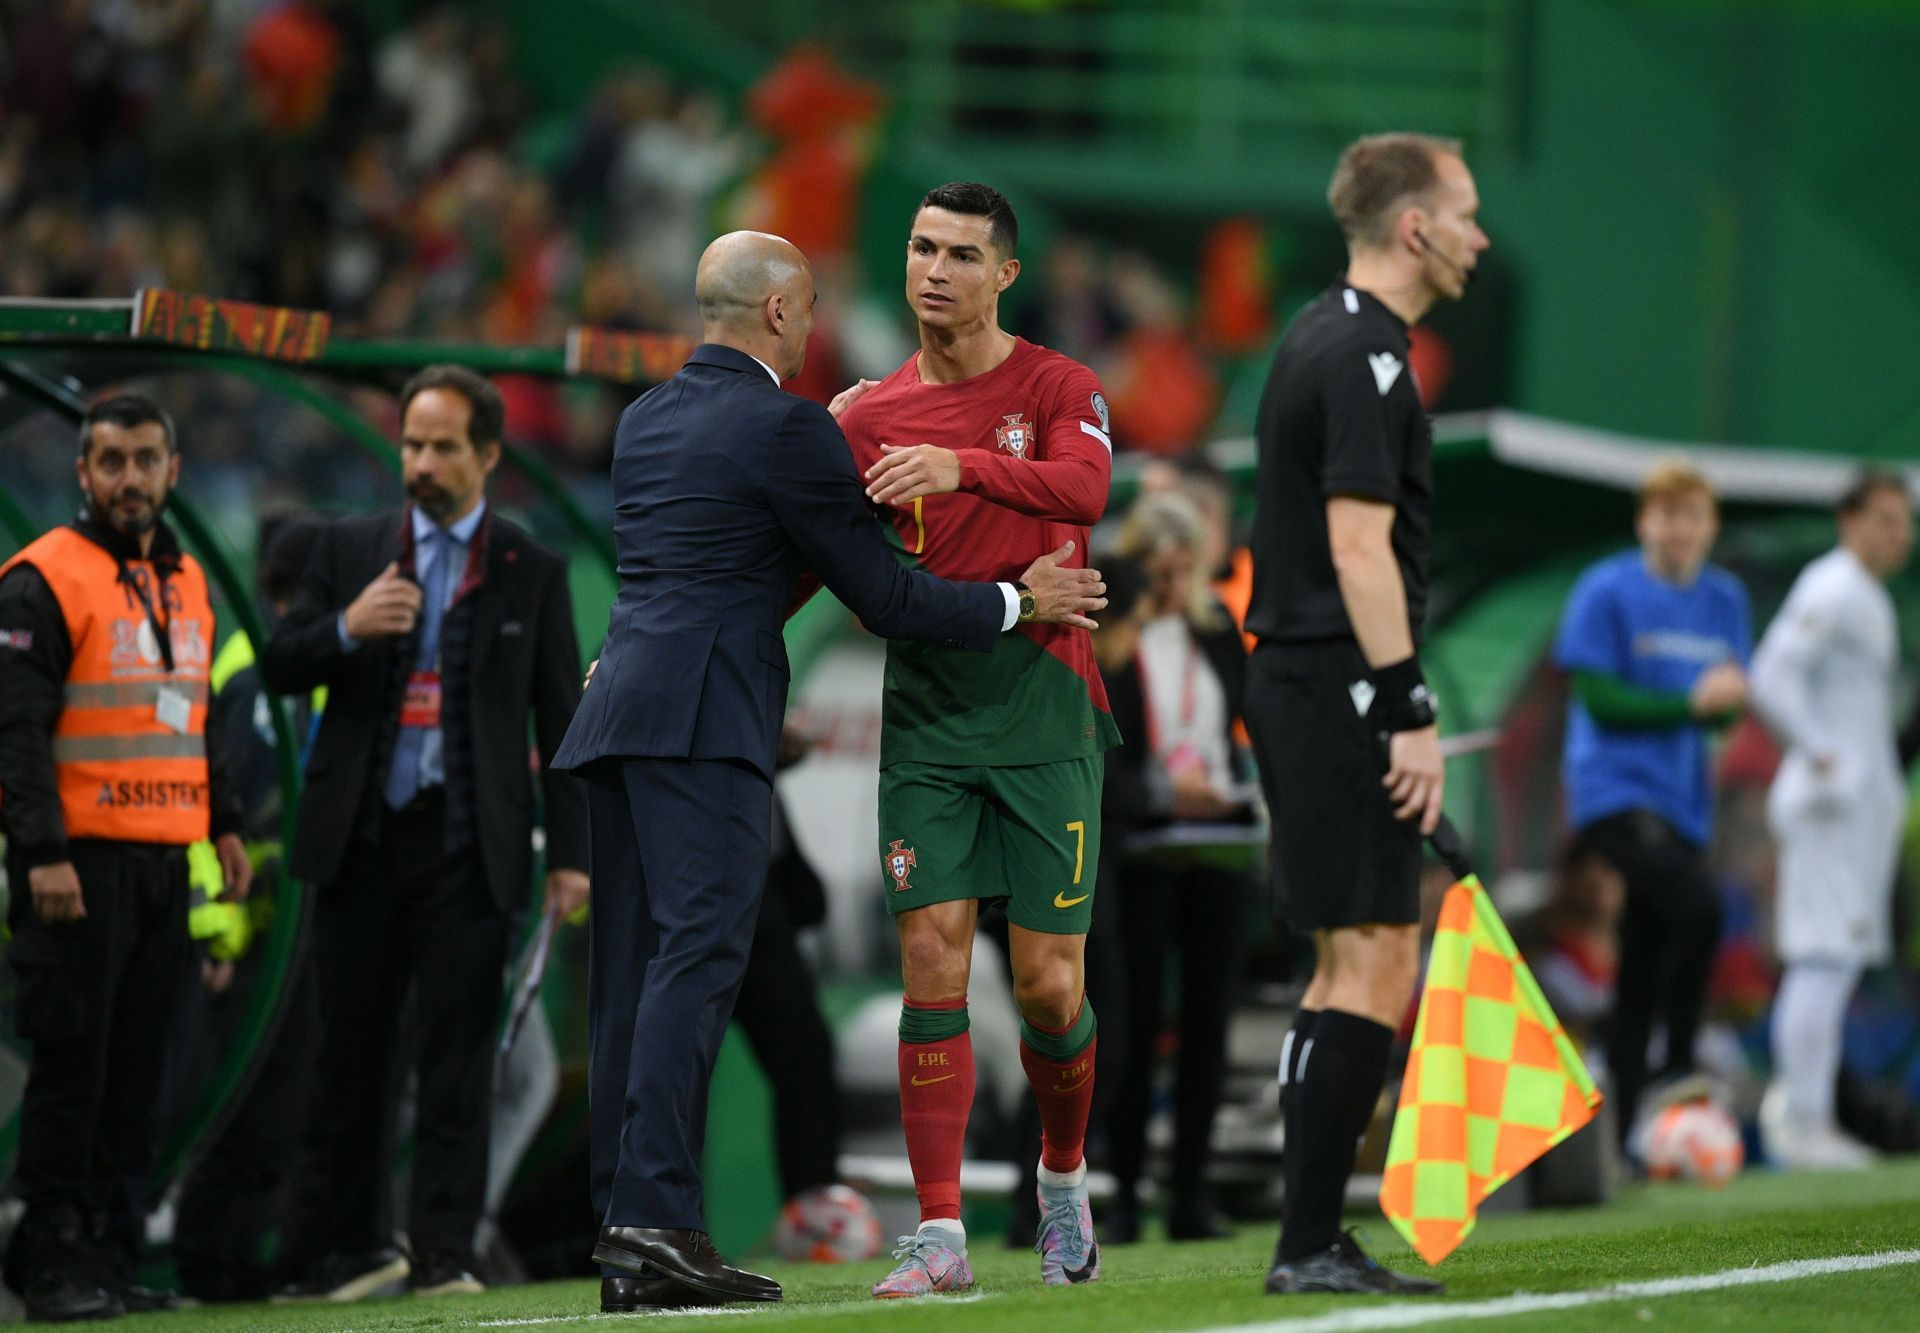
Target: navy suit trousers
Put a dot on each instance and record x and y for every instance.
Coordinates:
(679, 864)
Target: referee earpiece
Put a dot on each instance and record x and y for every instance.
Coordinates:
(1429, 250)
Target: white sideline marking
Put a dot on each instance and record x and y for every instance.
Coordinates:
(1412, 1315)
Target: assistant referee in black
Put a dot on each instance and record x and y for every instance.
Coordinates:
(1340, 545)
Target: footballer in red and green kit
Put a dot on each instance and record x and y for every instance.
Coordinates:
(988, 452)
(1022, 732)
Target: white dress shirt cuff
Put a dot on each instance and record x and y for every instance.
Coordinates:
(347, 642)
(1012, 594)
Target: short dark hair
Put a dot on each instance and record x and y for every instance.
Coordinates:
(125, 410)
(1867, 483)
(1378, 176)
(488, 420)
(979, 201)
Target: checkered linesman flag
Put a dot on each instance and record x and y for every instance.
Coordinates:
(1492, 1082)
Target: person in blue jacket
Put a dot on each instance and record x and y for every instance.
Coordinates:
(1656, 641)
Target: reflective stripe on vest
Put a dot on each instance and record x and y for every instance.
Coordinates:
(124, 774)
(81, 749)
(131, 693)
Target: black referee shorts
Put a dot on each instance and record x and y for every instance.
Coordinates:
(1340, 856)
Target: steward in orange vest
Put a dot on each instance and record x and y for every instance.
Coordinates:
(108, 772)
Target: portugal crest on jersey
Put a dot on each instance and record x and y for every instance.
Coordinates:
(900, 862)
(1016, 437)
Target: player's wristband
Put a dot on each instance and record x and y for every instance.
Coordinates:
(1406, 704)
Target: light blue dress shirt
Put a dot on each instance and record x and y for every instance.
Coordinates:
(440, 558)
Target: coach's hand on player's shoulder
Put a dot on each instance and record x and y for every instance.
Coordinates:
(1064, 596)
(848, 396)
(385, 607)
(1416, 776)
(1720, 689)
(908, 471)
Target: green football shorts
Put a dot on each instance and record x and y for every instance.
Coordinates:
(1029, 834)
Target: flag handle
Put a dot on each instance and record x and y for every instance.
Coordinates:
(1446, 844)
(1445, 838)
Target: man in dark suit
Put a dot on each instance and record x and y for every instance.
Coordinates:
(726, 492)
(438, 630)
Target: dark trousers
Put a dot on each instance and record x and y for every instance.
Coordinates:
(238, 1190)
(404, 915)
(95, 999)
(679, 864)
(779, 1010)
(1669, 930)
(1198, 915)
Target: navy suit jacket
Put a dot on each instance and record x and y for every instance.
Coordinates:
(726, 490)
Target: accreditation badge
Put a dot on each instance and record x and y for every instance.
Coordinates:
(173, 710)
(420, 705)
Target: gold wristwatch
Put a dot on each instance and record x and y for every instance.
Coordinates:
(1029, 608)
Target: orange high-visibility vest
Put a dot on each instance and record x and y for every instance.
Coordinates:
(130, 749)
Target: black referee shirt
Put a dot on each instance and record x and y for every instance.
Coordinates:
(1340, 416)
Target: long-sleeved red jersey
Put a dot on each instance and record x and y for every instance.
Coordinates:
(1035, 462)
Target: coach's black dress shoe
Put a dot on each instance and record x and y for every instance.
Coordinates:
(685, 1256)
(633, 1295)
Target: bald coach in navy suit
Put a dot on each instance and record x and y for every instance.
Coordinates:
(727, 491)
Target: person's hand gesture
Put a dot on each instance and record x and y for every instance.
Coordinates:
(567, 893)
(1416, 776)
(1721, 689)
(1063, 596)
(236, 867)
(909, 471)
(56, 893)
(848, 396)
(386, 607)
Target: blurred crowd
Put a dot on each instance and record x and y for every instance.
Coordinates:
(285, 153)
(282, 152)
(412, 184)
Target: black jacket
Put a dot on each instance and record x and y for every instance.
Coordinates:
(35, 656)
(516, 633)
(1136, 794)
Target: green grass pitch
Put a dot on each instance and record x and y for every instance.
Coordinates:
(1650, 1232)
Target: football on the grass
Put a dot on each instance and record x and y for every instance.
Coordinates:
(1694, 1141)
(831, 1225)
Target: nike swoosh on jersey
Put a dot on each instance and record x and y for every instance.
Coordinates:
(1386, 369)
(1061, 900)
(919, 1082)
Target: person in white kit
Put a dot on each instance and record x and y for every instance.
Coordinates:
(1823, 682)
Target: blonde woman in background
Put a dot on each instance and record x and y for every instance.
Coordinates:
(1186, 886)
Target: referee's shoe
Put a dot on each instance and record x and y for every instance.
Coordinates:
(1344, 1267)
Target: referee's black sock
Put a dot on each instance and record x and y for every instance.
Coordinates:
(1335, 1090)
(1298, 1041)
(1293, 1048)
